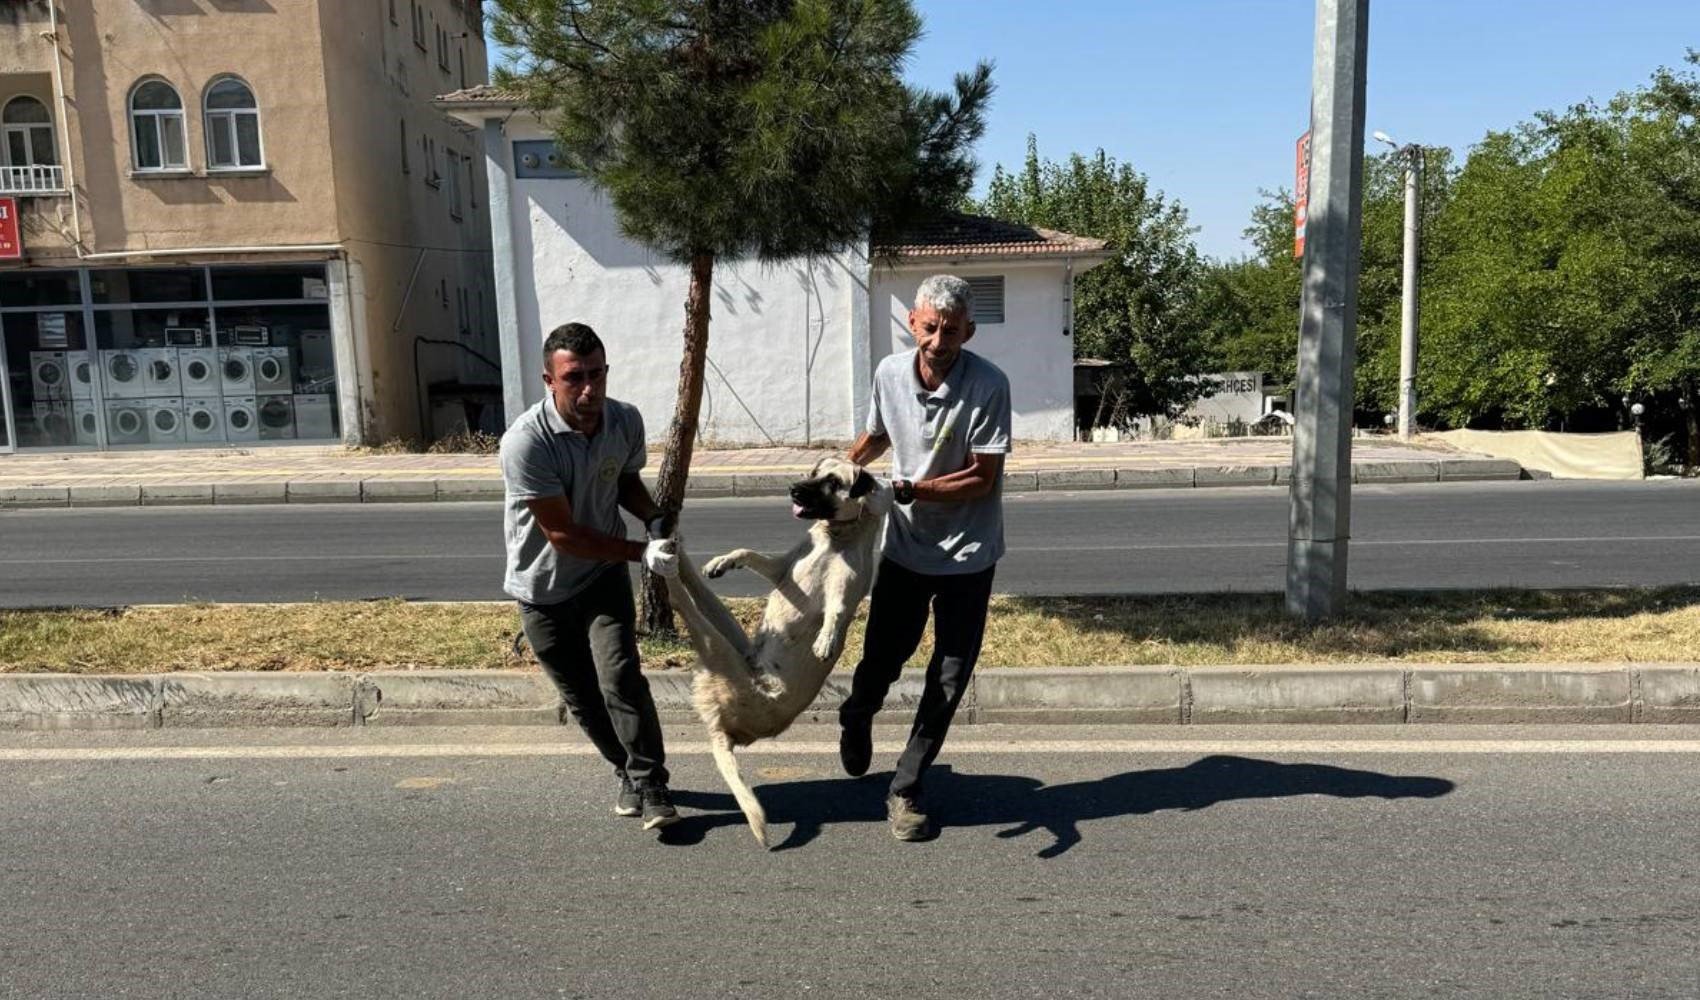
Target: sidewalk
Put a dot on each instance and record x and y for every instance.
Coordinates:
(305, 474)
(1393, 693)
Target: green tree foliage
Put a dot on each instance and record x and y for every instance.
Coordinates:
(1136, 307)
(762, 129)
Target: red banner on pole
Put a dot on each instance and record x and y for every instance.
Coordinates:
(1301, 195)
(11, 240)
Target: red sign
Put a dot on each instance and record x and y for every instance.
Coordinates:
(11, 241)
(1301, 195)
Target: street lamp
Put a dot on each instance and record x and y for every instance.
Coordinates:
(1413, 154)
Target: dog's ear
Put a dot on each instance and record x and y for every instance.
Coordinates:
(863, 485)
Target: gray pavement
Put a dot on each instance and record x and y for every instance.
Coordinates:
(1414, 536)
(1248, 863)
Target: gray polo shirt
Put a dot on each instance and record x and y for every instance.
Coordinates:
(543, 457)
(932, 434)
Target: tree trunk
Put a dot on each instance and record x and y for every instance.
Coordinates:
(681, 434)
(1693, 411)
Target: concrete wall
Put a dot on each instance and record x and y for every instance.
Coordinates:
(779, 340)
(1029, 345)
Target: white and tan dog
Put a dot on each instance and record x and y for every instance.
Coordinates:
(753, 687)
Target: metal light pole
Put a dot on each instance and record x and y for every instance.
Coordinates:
(1320, 525)
(1413, 154)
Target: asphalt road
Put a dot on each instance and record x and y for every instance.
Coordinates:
(486, 864)
(1546, 534)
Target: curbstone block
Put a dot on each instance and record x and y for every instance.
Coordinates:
(1084, 695)
(239, 493)
(470, 490)
(398, 490)
(177, 494)
(78, 701)
(105, 496)
(1154, 479)
(1233, 475)
(1541, 694)
(1395, 472)
(709, 486)
(457, 697)
(1076, 479)
(257, 698)
(1254, 695)
(1465, 469)
(35, 496)
(1020, 482)
(323, 491)
(763, 484)
(1668, 694)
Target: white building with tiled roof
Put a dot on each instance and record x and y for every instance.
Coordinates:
(792, 346)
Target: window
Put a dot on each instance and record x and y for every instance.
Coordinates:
(460, 57)
(418, 25)
(156, 127)
(988, 299)
(451, 160)
(429, 147)
(392, 13)
(233, 126)
(443, 49)
(29, 134)
(406, 154)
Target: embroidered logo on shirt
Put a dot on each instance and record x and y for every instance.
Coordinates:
(608, 470)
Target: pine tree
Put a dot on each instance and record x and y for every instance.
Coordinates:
(763, 129)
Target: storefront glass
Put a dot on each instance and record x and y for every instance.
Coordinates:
(176, 357)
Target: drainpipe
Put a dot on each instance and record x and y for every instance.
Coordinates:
(64, 125)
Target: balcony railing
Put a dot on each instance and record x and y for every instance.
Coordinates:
(32, 180)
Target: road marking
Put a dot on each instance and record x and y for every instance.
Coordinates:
(964, 747)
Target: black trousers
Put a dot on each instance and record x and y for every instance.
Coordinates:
(897, 615)
(588, 647)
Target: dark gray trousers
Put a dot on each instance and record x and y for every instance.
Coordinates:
(588, 647)
(897, 615)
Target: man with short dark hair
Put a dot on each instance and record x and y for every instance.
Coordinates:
(568, 465)
(944, 414)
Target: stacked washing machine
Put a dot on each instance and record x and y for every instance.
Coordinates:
(124, 381)
(236, 379)
(274, 380)
(50, 378)
(203, 413)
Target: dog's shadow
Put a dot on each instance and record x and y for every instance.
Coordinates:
(1023, 805)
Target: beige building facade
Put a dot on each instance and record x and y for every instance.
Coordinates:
(241, 221)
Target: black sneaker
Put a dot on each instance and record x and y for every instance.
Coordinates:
(629, 802)
(658, 808)
(856, 746)
(908, 822)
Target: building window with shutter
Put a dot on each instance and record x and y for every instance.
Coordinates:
(988, 299)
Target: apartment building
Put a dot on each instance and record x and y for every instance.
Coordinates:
(241, 221)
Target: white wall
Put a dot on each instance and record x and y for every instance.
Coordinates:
(1028, 345)
(779, 339)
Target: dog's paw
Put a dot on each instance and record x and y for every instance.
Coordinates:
(717, 567)
(825, 648)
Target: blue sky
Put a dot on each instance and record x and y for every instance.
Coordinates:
(1208, 96)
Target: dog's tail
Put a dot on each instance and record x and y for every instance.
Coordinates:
(721, 744)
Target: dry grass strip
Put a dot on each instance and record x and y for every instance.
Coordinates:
(1652, 625)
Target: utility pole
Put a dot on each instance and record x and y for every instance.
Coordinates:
(1320, 526)
(1413, 155)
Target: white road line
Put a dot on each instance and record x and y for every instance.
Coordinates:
(964, 747)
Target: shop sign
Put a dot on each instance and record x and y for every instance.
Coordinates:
(11, 240)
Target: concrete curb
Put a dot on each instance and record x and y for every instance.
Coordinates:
(709, 484)
(1346, 694)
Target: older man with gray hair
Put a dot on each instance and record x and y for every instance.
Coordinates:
(943, 413)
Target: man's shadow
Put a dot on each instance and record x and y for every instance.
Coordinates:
(1024, 805)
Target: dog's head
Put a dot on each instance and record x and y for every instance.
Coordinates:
(839, 491)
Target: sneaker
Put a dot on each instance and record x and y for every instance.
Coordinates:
(629, 802)
(908, 822)
(658, 808)
(856, 746)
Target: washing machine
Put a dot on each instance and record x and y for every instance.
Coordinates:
(121, 370)
(241, 422)
(203, 419)
(165, 421)
(82, 374)
(52, 422)
(126, 422)
(276, 415)
(85, 421)
(197, 369)
(272, 371)
(236, 371)
(50, 375)
(160, 372)
(315, 416)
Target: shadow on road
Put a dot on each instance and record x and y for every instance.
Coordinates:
(1024, 805)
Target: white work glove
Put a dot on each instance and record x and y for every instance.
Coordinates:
(661, 557)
